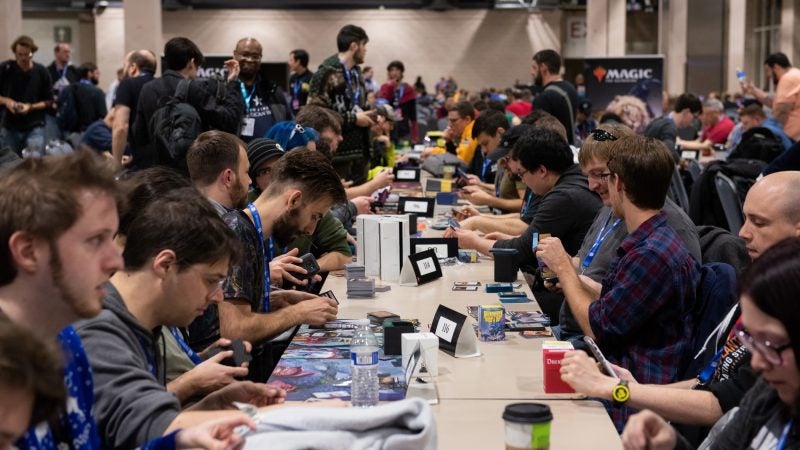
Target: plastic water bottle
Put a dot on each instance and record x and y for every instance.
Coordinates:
(364, 364)
(740, 75)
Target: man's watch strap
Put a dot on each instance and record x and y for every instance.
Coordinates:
(621, 393)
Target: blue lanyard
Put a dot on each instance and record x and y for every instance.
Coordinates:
(486, 164)
(298, 83)
(86, 82)
(708, 371)
(64, 71)
(526, 205)
(247, 96)
(80, 388)
(357, 89)
(267, 256)
(398, 95)
(601, 236)
(184, 346)
(784, 436)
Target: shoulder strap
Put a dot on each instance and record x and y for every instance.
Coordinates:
(563, 93)
(182, 90)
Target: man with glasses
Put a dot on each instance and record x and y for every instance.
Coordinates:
(25, 96)
(264, 101)
(643, 319)
(458, 134)
(771, 216)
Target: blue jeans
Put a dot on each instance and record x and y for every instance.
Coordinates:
(32, 139)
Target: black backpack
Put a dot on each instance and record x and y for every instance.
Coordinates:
(758, 143)
(175, 124)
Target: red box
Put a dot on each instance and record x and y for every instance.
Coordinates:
(552, 354)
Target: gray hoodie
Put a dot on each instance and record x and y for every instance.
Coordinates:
(131, 406)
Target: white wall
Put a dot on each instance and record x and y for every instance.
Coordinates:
(41, 30)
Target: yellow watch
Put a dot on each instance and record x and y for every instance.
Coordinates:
(621, 393)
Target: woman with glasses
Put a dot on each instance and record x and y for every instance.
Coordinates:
(767, 416)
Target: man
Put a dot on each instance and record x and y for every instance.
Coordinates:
(652, 282)
(177, 253)
(520, 106)
(219, 169)
(139, 68)
(25, 94)
(559, 97)
(458, 134)
(665, 128)
(566, 206)
(300, 80)
(219, 106)
(303, 187)
(264, 101)
(382, 148)
(62, 72)
(753, 116)
(81, 103)
(402, 97)
(786, 102)
(607, 231)
(339, 86)
(716, 128)
(693, 401)
(488, 129)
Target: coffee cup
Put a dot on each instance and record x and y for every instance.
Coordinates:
(527, 426)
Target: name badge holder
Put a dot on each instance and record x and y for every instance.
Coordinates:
(455, 338)
(420, 268)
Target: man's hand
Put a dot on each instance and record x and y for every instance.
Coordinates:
(364, 120)
(448, 134)
(648, 431)
(216, 434)
(383, 178)
(583, 374)
(233, 69)
(223, 343)
(473, 180)
(257, 394)
(476, 195)
(211, 375)
(316, 311)
(466, 238)
(23, 108)
(552, 253)
(363, 204)
(498, 236)
(281, 268)
(467, 211)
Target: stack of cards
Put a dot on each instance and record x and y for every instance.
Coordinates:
(354, 270)
(466, 286)
(361, 287)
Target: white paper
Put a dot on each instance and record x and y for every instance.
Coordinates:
(426, 266)
(445, 328)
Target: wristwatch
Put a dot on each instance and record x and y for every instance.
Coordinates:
(621, 393)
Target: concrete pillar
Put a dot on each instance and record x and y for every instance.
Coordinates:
(10, 26)
(790, 31)
(143, 28)
(110, 43)
(674, 45)
(597, 28)
(737, 38)
(617, 15)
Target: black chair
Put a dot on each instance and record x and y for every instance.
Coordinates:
(731, 204)
(694, 169)
(677, 191)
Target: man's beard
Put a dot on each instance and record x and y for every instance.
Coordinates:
(286, 228)
(538, 80)
(68, 297)
(239, 195)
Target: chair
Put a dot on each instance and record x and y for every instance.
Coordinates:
(677, 191)
(731, 204)
(694, 169)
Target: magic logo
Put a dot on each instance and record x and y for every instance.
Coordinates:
(621, 75)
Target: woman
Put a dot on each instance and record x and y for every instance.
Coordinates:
(767, 416)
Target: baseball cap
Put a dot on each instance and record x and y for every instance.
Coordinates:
(508, 140)
(388, 112)
(260, 151)
(290, 135)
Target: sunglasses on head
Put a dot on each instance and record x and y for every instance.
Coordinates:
(602, 135)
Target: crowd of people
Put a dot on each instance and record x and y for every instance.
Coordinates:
(131, 264)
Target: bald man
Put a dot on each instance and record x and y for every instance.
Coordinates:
(265, 103)
(772, 214)
(139, 67)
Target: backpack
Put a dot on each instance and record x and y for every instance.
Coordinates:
(758, 143)
(175, 124)
(704, 204)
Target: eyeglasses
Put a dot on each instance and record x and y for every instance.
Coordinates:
(28, 55)
(766, 349)
(604, 177)
(250, 56)
(602, 135)
(263, 171)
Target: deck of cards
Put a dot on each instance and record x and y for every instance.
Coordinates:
(360, 287)
(466, 286)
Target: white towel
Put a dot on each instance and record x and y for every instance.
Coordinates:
(402, 425)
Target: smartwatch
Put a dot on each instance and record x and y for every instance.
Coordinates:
(621, 393)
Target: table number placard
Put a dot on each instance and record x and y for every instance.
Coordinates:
(420, 268)
(456, 336)
(418, 205)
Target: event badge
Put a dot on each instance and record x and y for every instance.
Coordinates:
(248, 126)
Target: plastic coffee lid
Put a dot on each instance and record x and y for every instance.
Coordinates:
(527, 413)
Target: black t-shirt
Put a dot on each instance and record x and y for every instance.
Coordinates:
(128, 95)
(550, 100)
(483, 168)
(27, 87)
(298, 88)
(71, 73)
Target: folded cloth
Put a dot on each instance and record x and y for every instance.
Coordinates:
(402, 425)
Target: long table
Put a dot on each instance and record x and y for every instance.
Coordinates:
(474, 391)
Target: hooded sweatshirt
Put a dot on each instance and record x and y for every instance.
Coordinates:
(132, 405)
